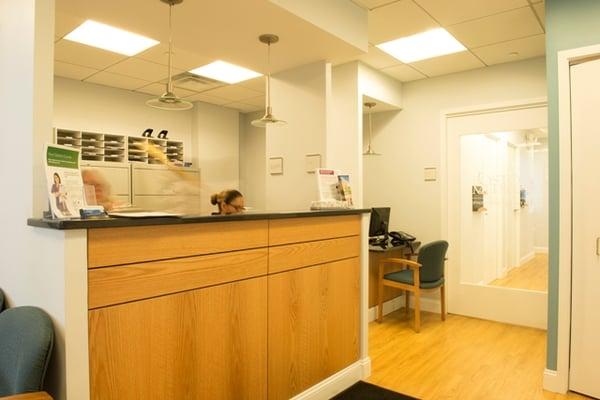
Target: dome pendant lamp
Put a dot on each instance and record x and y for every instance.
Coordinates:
(370, 151)
(268, 119)
(168, 100)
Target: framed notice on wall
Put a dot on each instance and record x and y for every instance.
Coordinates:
(477, 194)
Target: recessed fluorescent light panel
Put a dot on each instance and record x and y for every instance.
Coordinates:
(109, 38)
(225, 72)
(433, 43)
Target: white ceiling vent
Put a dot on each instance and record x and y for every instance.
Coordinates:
(190, 81)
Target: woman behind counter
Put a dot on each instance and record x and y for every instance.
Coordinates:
(228, 201)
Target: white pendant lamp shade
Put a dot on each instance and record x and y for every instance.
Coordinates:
(268, 119)
(370, 151)
(168, 100)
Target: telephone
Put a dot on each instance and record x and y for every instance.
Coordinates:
(401, 238)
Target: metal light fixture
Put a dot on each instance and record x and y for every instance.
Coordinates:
(268, 118)
(168, 100)
(370, 151)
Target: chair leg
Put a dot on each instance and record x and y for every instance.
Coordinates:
(417, 311)
(407, 298)
(443, 301)
(380, 302)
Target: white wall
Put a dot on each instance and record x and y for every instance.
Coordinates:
(299, 96)
(526, 178)
(253, 165)
(410, 140)
(31, 271)
(379, 86)
(96, 108)
(216, 138)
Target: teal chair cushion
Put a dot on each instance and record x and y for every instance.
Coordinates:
(26, 341)
(406, 276)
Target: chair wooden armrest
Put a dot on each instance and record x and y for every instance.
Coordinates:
(29, 396)
(401, 262)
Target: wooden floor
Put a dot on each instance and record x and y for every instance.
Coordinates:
(532, 275)
(462, 358)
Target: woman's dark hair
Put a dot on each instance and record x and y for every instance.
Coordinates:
(226, 196)
(56, 175)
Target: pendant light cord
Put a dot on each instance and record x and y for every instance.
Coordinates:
(169, 83)
(370, 128)
(268, 78)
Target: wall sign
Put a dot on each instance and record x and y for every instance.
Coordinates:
(276, 165)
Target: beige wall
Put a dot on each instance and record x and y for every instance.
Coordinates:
(253, 166)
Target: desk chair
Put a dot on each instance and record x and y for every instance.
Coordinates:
(425, 274)
(26, 341)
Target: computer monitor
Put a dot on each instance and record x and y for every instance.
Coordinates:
(380, 221)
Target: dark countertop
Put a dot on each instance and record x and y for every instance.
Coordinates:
(114, 222)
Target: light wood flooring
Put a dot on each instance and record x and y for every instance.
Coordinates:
(461, 358)
(532, 275)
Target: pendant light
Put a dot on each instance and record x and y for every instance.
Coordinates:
(168, 100)
(370, 151)
(268, 118)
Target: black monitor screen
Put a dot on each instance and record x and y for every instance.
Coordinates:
(380, 221)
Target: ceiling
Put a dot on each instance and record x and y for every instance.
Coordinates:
(228, 30)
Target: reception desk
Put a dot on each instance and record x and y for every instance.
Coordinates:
(252, 306)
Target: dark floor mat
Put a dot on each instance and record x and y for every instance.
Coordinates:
(367, 391)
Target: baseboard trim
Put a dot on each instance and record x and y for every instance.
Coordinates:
(338, 382)
(540, 250)
(527, 257)
(554, 382)
(427, 304)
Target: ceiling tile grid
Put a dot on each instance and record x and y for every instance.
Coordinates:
(494, 31)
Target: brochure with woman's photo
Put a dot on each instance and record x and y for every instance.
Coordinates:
(65, 186)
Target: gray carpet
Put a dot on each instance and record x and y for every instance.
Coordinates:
(367, 391)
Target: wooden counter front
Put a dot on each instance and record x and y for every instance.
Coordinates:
(229, 310)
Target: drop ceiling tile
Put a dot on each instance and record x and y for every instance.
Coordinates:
(256, 101)
(257, 84)
(378, 59)
(371, 4)
(540, 10)
(207, 99)
(72, 71)
(533, 46)
(404, 73)
(243, 107)
(182, 59)
(497, 28)
(402, 18)
(448, 64)
(452, 12)
(141, 69)
(87, 56)
(157, 89)
(65, 23)
(116, 80)
(233, 93)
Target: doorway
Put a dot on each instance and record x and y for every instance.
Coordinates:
(486, 149)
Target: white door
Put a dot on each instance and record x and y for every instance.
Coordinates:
(516, 306)
(585, 304)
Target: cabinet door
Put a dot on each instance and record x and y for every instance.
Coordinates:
(313, 319)
(200, 344)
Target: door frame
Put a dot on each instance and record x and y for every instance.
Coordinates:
(558, 380)
(492, 295)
